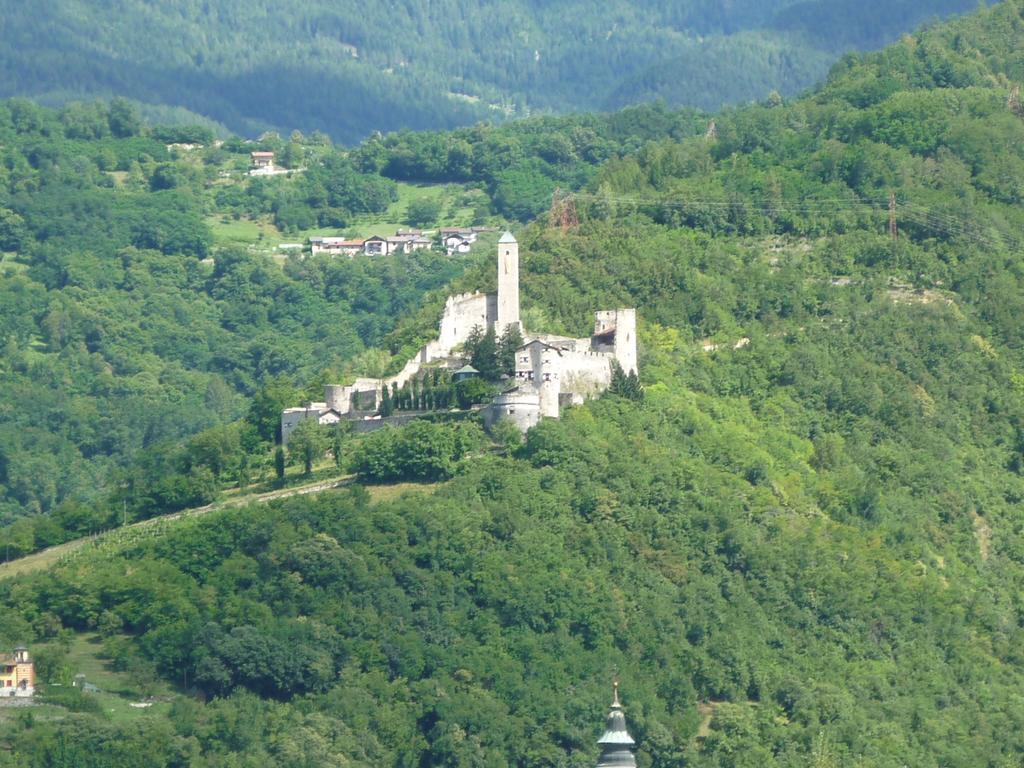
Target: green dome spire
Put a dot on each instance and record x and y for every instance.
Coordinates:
(616, 743)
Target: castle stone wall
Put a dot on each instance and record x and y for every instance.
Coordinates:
(462, 314)
(623, 322)
(521, 407)
(585, 373)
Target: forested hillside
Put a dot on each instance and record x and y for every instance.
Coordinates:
(800, 546)
(352, 68)
(132, 318)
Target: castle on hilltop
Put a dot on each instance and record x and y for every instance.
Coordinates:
(551, 371)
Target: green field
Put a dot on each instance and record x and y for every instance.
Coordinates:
(117, 690)
(229, 232)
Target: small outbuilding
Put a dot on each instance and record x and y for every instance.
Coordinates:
(465, 372)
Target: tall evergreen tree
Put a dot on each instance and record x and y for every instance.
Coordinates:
(510, 341)
(625, 385)
(279, 463)
(485, 357)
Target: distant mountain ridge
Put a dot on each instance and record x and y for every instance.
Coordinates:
(351, 68)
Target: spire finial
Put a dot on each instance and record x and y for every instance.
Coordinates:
(616, 743)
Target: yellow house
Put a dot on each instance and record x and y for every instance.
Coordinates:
(17, 673)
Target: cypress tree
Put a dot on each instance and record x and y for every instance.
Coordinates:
(485, 357)
(279, 462)
(510, 341)
(633, 389)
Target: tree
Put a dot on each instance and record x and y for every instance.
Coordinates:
(338, 434)
(123, 118)
(266, 406)
(473, 339)
(510, 341)
(506, 434)
(13, 233)
(307, 443)
(420, 451)
(472, 391)
(485, 357)
(279, 463)
(217, 448)
(423, 212)
(625, 385)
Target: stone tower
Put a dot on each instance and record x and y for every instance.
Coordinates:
(508, 284)
(616, 743)
(621, 323)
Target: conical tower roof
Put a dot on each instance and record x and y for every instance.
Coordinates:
(616, 743)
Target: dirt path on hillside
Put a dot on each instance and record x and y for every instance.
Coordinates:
(46, 557)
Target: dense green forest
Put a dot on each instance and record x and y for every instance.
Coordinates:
(799, 545)
(353, 68)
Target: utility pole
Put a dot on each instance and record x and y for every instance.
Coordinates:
(894, 231)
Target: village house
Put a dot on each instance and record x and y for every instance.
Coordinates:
(403, 242)
(260, 160)
(262, 164)
(469, 234)
(551, 372)
(407, 243)
(17, 674)
(335, 246)
(375, 246)
(456, 244)
(461, 239)
(322, 412)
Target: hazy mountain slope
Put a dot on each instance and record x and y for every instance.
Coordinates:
(351, 68)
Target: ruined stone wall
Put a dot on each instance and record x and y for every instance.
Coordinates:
(463, 313)
(338, 398)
